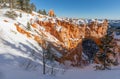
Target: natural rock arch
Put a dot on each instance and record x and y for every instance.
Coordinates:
(90, 48)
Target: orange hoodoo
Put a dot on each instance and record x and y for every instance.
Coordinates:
(51, 13)
(70, 37)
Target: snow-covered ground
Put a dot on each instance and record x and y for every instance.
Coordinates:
(15, 51)
(15, 72)
(21, 57)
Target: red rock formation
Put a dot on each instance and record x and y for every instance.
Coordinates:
(5, 21)
(19, 29)
(34, 25)
(51, 13)
(69, 37)
(50, 27)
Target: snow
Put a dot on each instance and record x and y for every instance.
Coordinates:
(116, 36)
(68, 74)
(88, 74)
(114, 23)
(17, 51)
(80, 21)
(58, 28)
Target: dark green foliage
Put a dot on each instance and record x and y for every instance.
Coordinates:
(4, 5)
(48, 57)
(49, 54)
(106, 47)
(23, 5)
(106, 61)
(106, 43)
(20, 15)
(28, 26)
(11, 14)
(39, 11)
(20, 4)
(43, 12)
(33, 7)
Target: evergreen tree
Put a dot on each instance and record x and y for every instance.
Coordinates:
(39, 11)
(106, 46)
(28, 26)
(33, 7)
(12, 4)
(20, 4)
(27, 6)
(20, 15)
(50, 57)
(44, 12)
(23, 5)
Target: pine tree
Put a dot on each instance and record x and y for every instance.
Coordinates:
(27, 6)
(44, 12)
(39, 11)
(11, 4)
(23, 5)
(20, 15)
(50, 57)
(106, 49)
(33, 7)
(20, 4)
(28, 26)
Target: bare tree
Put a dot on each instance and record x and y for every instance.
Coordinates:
(11, 4)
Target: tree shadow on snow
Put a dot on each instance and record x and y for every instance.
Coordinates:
(22, 62)
(25, 49)
(9, 58)
(1, 75)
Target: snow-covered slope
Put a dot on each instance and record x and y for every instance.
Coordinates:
(114, 23)
(21, 55)
(16, 50)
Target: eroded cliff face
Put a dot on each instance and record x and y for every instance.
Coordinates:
(71, 35)
(67, 36)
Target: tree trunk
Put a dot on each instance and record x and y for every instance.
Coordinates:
(44, 62)
(11, 4)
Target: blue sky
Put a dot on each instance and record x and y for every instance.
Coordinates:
(82, 8)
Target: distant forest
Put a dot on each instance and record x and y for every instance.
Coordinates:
(24, 5)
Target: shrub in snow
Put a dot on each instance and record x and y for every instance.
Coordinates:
(107, 56)
(11, 14)
(28, 26)
(13, 32)
(28, 64)
(20, 15)
(101, 67)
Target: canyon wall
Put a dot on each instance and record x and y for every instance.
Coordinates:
(66, 35)
(71, 35)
